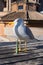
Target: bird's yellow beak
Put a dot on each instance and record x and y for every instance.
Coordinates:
(11, 23)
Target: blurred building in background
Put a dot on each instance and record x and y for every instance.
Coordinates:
(12, 9)
(7, 6)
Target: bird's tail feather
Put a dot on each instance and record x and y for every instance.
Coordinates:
(35, 40)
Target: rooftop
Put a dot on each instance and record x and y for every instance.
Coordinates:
(33, 15)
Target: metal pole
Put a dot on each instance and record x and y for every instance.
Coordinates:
(27, 8)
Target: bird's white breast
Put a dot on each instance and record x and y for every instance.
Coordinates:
(15, 33)
(21, 30)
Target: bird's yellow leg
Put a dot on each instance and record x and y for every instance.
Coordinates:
(25, 46)
(19, 45)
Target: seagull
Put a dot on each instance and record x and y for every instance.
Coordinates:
(21, 31)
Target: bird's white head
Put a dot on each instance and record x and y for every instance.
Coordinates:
(18, 20)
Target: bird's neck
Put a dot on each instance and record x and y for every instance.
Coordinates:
(17, 24)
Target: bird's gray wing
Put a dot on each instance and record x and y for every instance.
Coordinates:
(29, 32)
